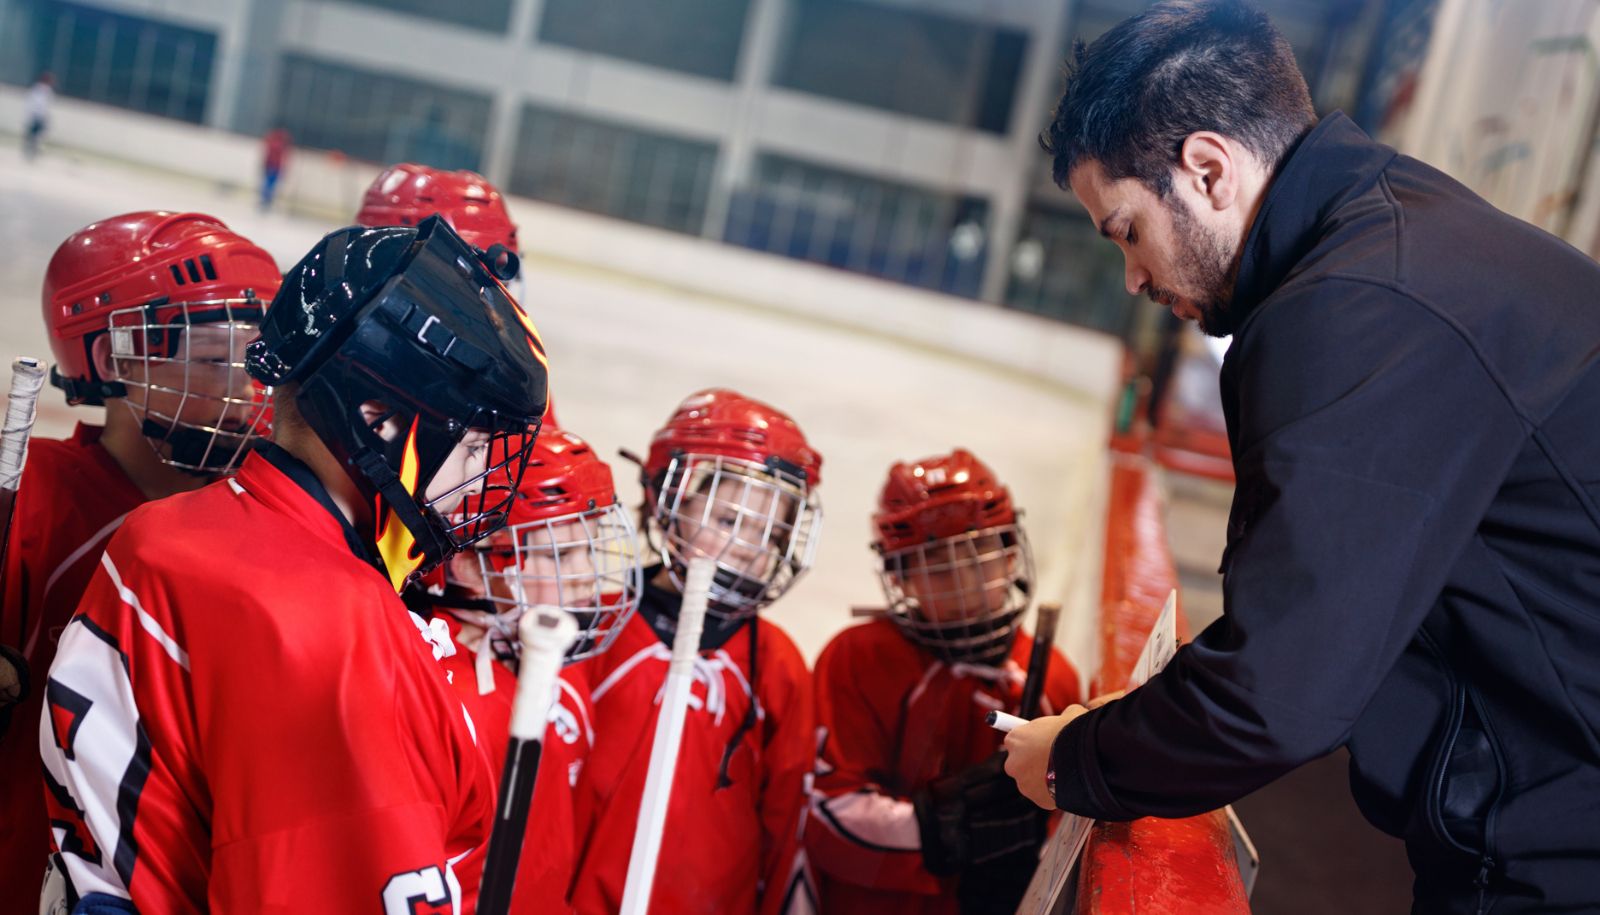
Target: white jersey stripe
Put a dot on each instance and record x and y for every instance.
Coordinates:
(174, 651)
(78, 553)
(581, 707)
(656, 650)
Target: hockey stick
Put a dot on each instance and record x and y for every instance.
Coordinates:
(669, 734)
(546, 633)
(1044, 639)
(27, 378)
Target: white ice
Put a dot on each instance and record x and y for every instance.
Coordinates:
(626, 350)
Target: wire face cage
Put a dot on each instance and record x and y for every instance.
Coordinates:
(182, 365)
(585, 563)
(491, 469)
(962, 597)
(758, 522)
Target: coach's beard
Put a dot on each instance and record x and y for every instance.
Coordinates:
(1207, 264)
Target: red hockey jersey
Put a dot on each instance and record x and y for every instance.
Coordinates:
(730, 849)
(72, 498)
(243, 717)
(897, 719)
(550, 845)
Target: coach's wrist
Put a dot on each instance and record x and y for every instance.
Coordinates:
(1079, 785)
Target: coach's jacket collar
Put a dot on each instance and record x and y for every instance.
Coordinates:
(1333, 163)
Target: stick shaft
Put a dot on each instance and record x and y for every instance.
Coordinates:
(27, 377)
(546, 633)
(510, 824)
(1044, 639)
(669, 733)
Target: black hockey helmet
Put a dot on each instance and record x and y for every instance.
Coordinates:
(418, 320)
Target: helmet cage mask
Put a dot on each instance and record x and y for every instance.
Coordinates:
(759, 522)
(590, 559)
(961, 597)
(193, 423)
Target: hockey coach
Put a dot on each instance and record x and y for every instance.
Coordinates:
(1412, 567)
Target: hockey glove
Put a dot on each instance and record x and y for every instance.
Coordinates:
(976, 817)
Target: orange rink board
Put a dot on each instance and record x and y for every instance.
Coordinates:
(1149, 865)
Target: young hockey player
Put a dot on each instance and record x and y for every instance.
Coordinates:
(407, 193)
(148, 314)
(567, 543)
(732, 479)
(243, 716)
(914, 812)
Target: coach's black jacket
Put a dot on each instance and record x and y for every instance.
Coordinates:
(1413, 559)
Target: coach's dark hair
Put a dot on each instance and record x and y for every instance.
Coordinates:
(1181, 66)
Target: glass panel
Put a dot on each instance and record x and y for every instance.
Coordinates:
(638, 175)
(955, 70)
(1061, 268)
(699, 37)
(855, 222)
(380, 117)
(490, 15)
(111, 58)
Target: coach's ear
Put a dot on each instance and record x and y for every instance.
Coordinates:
(1210, 168)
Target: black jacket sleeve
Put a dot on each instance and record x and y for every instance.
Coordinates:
(1369, 440)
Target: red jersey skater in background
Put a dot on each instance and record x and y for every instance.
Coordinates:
(568, 543)
(178, 413)
(732, 479)
(243, 716)
(914, 813)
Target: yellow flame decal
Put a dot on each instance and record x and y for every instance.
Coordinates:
(396, 545)
(536, 344)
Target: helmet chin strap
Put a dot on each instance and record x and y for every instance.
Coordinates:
(203, 452)
(402, 504)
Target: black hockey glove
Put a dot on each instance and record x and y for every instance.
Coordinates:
(996, 886)
(977, 818)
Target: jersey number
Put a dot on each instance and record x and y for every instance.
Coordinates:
(419, 892)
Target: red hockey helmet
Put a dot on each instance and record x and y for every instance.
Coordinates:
(180, 295)
(732, 478)
(406, 194)
(567, 542)
(939, 497)
(721, 422)
(957, 569)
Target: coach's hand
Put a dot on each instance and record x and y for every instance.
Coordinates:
(1028, 754)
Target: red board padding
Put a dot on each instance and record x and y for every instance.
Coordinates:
(1195, 462)
(1161, 866)
(1150, 865)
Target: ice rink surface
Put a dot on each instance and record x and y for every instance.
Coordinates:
(625, 351)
